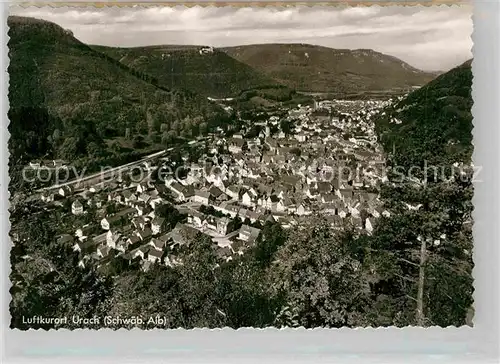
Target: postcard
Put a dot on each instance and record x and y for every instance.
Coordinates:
(238, 166)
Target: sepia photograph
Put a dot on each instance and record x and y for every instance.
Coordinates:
(240, 167)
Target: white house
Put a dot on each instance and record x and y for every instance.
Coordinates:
(157, 225)
(248, 199)
(47, 197)
(76, 208)
(369, 225)
(65, 191)
(112, 238)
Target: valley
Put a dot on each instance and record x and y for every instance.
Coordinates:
(281, 185)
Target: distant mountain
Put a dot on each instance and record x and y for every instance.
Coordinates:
(61, 88)
(204, 70)
(313, 68)
(432, 124)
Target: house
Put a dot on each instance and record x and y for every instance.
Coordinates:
(179, 190)
(142, 187)
(202, 197)
(90, 244)
(289, 204)
(342, 212)
(112, 238)
(196, 218)
(144, 198)
(271, 144)
(217, 194)
(211, 223)
(115, 196)
(344, 194)
(206, 50)
(182, 235)
(248, 234)
(128, 197)
(141, 252)
(65, 191)
(248, 198)
(85, 231)
(236, 145)
(253, 216)
(133, 240)
(356, 221)
(369, 225)
(278, 206)
(122, 245)
(76, 208)
(158, 225)
(104, 251)
(158, 244)
(329, 199)
(47, 196)
(301, 137)
(109, 222)
(154, 256)
(117, 219)
(144, 234)
(337, 221)
(232, 210)
(233, 191)
(223, 226)
(140, 222)
(172, 260)
(302, 210)
(142, 209)
(112, 221)
(155, 201)
(95, 201)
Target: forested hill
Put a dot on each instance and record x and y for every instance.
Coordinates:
(206, 71)
(429, 233)
(432, 124)
(61, 88)
(306, 67)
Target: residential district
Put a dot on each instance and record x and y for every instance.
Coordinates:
(315, 160)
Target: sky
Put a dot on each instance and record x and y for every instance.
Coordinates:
(430, 38)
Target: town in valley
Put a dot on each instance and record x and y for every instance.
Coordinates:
(317, 160)
(208, 176)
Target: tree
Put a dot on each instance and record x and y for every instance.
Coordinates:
(138, 141)
(320, 284)
(69, 149)
(56, 135)
(286, 126)
(198, 279)
(94, 150)
(171, 215)
(272, 237)
(49, 283)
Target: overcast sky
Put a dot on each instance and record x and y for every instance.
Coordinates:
(429, 38)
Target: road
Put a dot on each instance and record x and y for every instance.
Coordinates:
(103, 174)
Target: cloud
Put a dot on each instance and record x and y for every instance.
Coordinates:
(430, 38)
